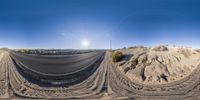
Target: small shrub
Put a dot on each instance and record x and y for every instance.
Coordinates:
(117, 56)
(23, 50)
(198, 50)
(132, 47)
(124, 48)
(140, 46)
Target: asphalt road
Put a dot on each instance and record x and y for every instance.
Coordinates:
(54, 65)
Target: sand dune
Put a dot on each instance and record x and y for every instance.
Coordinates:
(160, 64)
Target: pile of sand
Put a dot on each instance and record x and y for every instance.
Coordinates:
(160, 64)
(160, 48)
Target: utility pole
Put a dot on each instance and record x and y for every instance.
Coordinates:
(110, 44)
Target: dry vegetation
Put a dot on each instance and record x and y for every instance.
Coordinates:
(117, 56)
(198, 50)
(23, 50)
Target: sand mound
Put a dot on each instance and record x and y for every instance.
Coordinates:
(160, 48)
(152, 66)
(186, 52)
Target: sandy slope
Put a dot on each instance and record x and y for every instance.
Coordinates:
(157, 65)
(1, 54)
(3, 75)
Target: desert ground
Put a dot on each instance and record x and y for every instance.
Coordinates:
(143, 73)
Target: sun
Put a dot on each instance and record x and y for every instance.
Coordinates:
(85, 43)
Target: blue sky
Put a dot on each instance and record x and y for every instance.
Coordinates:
(66, 23)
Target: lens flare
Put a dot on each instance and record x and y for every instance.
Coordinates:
(85, 43)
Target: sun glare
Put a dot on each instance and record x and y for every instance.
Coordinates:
(85, 43)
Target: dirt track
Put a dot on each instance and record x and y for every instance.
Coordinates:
(107, 82)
